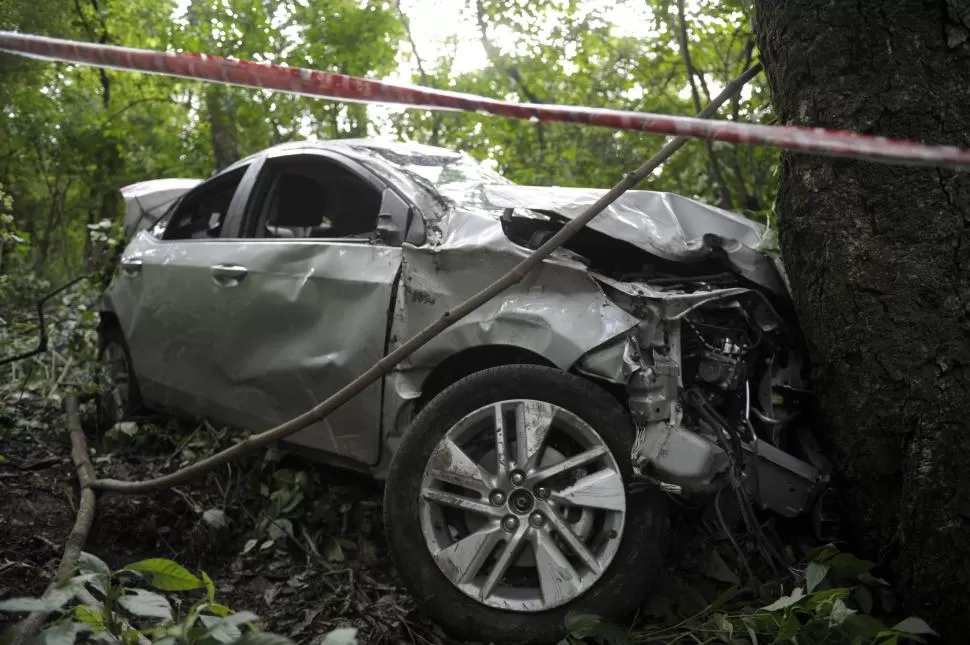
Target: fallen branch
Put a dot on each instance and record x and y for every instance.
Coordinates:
(82, 525)
(450, 317)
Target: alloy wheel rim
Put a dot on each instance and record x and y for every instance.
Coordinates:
(522, 505)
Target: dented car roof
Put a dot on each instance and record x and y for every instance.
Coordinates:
(446, 184)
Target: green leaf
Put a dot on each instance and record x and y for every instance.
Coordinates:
(262, 638)
(52, 601)
(167, 575)
(815, 574)
(92, 564)
(226, 630)
(210, 586)
(914, 625)
(839, 613)
(750, 626)
(343, 636)
(788, 629)
(824, 596)
(846, 565)
(864, 626)
(582, 625)
(147, 604)
(332, 552)
(786, 601)
(63, 633)
(218, 610)
(725, 626)
(90, 616)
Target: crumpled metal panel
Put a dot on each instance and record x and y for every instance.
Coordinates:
(616, 360)
(557, 311)
(308, 317)
(667, 225)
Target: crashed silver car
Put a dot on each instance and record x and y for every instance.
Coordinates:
(531, 449)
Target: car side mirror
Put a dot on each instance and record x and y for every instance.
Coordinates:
(392, 220)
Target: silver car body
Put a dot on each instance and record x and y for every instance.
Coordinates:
(252, 331)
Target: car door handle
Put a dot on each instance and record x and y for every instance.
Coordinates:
(132, 267)
(228, 275)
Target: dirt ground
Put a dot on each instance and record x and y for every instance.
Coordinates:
(295, 592)
(336, 574)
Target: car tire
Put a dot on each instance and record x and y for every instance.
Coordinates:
(620, 588)
(116, 401)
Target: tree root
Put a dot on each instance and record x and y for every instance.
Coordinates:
(82, 524)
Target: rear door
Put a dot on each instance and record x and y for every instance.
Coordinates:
(170, 282)
(309, 312)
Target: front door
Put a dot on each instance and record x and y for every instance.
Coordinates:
(309, 312)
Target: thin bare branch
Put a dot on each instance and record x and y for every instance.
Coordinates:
(748, 200)
(692, 77)
(425, 79)
(495, 56)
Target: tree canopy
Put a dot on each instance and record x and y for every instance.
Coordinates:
(71, 136)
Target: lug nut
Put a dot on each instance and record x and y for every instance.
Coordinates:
(510, 523)
(497, 498)
(517, 478)
(537, 519)
(542, 492)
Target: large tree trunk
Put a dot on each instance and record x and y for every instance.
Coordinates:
(879, 260)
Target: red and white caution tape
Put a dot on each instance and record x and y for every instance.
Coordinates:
(833, 143)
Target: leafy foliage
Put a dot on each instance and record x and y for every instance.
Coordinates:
(124, 611)
(829, 602)
(72, 136)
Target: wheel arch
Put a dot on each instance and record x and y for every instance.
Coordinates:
(470, 360)
(108, 320)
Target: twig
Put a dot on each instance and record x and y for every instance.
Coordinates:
(57, 383)
(425, 79)
(447, 319)
(82, 525)
(182, 445)
(42, 341)
(692, 75)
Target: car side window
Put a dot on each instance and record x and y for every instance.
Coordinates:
(201, 213)
(312, 197)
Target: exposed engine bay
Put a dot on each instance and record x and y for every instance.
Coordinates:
(715, 373)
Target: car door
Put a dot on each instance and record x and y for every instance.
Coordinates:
(309, 313)
(173, 276)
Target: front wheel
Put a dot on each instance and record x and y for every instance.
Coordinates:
(506, 507)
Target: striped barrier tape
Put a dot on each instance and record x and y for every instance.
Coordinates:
(833, 143)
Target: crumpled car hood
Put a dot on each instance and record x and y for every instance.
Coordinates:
(667, 225)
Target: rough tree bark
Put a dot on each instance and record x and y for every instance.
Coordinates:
(878, 259)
